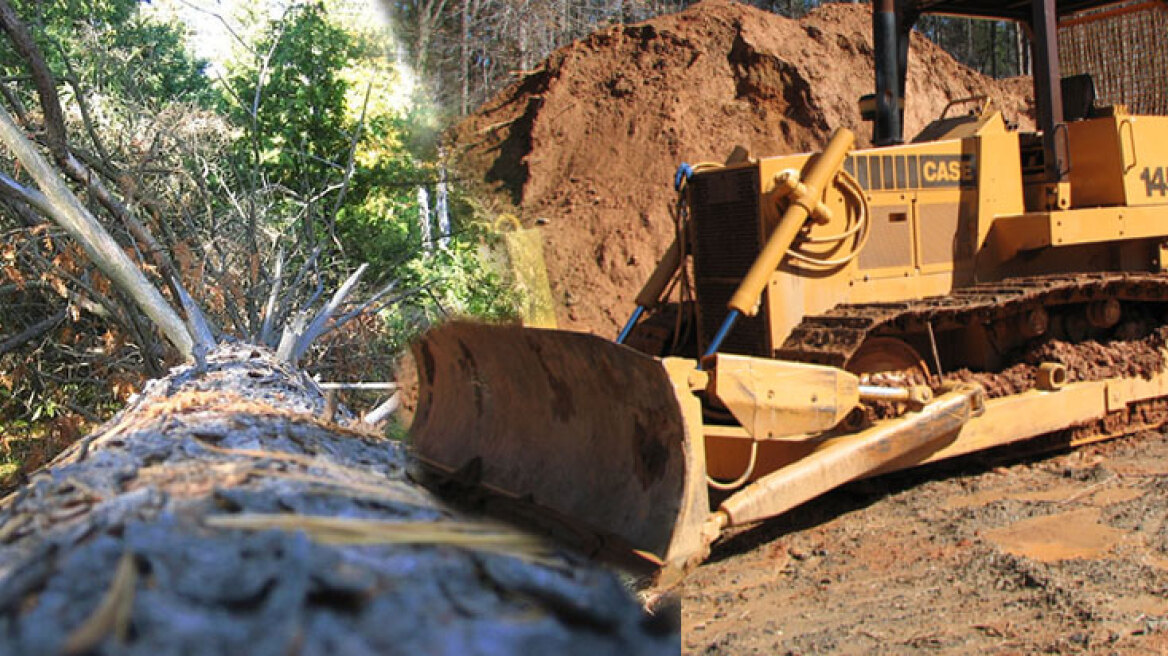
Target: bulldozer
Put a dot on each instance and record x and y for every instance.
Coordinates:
(827, 298)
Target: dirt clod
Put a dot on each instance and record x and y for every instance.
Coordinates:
(1088, 360)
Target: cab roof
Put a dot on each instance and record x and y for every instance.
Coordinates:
(1019, 10)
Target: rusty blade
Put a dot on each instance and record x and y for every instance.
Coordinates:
(579, 425)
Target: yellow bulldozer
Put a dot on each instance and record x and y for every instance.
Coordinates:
(829, 295)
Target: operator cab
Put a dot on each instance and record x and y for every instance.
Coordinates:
(1087, 94)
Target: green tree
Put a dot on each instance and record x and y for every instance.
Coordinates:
(292, 98)
(349, 165)
(108, 47)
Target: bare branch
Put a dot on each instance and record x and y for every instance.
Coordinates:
(57, 138)
(270, 307)
(15, 102)
(13, 190)
(359, 386)
(42, 77)
(318, 325)
(70, 214)
(345, 318)
(32, 332)
(383, 411)
(100, 307)
(288, 339)
(83, 105)
(226, 25)
(24, 214)
(196, 322)
(352, 158)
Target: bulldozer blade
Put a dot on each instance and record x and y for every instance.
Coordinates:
(580, 426)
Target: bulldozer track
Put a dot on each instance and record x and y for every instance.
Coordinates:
(832, 338)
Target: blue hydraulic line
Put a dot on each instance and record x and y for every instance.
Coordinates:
(684, 173)
(624, 333)
(720, 337)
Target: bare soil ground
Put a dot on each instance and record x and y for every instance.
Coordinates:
(1066, 554)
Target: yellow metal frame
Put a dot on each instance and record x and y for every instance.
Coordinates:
(944, 214)
(1012, 235)
(1005, 420)
(930, 218)
(803, 469)
(773, 399)
(961, 210)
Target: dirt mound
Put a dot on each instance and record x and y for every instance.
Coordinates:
(591, 139)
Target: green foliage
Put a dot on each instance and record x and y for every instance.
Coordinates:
(299, 132)
(110, 48)
(324, 160)
(149, 61)
(451, 281)
(395, 430)
(321, 92)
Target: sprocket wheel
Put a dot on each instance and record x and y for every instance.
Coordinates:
(888, 359)
(885, 361)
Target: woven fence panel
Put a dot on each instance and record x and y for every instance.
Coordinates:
(1124, 48)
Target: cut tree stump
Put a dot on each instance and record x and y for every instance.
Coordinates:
(219, 513)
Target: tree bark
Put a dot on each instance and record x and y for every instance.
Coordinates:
(219, 513)
(464, 60)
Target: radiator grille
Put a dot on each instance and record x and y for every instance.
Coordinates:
(726, 241)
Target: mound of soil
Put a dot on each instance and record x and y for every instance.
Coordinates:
(590, 140)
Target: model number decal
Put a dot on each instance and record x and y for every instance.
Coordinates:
(1153, 178)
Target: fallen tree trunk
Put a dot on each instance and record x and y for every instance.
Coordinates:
(221, 513)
